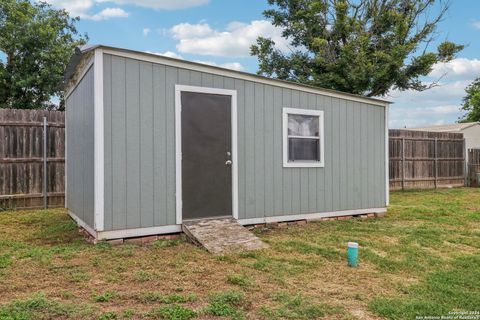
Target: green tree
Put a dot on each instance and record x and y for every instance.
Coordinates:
(364, 47)
(471, 102)
(36, 43)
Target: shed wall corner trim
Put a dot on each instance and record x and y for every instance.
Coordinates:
(99, 141)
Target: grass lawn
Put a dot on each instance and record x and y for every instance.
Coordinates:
(422, 259)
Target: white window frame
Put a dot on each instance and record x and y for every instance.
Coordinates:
(303, 164)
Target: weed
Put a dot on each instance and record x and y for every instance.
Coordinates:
(129, 313)
(96, 261)
(224, 258)
(110, 315)
(125, 251)
(226, 304)
(105, 297)
(240, 280)
(151, 297)
(78, 276)
(5, 260)
(173, 312)
(166, 243)
(143, 276)
(38, 307)
(67, 295)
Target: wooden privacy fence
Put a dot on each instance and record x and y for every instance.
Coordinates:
(420, 159)
(473, 167)
(32, 173)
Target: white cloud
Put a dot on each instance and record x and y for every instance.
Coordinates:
(476, 24)
(161, 4)
(74, 7)
(188, 31)
(401, 117)
(459, 68)
(444, 92)
(83, 8)
(146, 31)
(229, 65)
(234, 41)
(439, 105)
(169, 54)
(108, 13)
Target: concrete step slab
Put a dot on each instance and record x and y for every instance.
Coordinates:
(222, 236)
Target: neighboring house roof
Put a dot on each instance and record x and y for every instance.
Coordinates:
(457, 127)
(81, 51)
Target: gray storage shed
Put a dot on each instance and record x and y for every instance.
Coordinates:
(153, 141)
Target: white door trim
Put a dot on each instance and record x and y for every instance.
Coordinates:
(178, 145)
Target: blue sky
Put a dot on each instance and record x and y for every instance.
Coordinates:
(220, 32)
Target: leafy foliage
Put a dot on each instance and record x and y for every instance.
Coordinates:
(471, 102)
(36, 43)
(363, 47)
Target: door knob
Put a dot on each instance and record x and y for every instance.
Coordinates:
(228, 163)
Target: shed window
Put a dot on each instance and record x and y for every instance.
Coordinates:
(303, 138)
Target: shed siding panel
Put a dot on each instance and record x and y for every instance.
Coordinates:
(295, 177)
(277, 154)
(249, 149)
(133, 143)
(159, 145)
(269, 150)
(327, 107)
(239, 85)
(304, 182)
(118, 137)
(287, 172)
(146, 143)
(313, 193)
(140, 112)
(320, 195)
(259, 151)
(80, 149)
(171, 80)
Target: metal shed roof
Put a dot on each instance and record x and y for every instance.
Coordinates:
(145, 56)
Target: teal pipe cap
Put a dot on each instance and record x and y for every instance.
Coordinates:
(353, 254)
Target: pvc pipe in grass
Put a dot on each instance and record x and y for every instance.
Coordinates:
(353, 254)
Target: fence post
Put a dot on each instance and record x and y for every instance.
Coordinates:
(403, 163)
(436, 161)
(45, 195)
